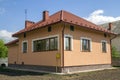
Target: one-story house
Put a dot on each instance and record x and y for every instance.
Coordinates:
(62, 42)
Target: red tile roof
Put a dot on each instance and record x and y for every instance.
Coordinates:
(65, 17)
(12, 42)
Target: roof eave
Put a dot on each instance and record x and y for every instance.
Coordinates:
(91, 28)
(16, 34)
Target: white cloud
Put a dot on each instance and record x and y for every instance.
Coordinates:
(6, 35)
(98, 17)
(2, 11)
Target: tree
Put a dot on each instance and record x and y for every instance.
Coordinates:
(3, 49)
(115, 52)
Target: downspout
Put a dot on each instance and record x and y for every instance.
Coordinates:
(62, 57)
(63, 46)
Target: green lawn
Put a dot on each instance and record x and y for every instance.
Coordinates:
(8, 74)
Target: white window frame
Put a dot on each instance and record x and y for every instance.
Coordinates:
(106, 46)
(45, 38)
(27, 45)
(81, 38)
(71, 37)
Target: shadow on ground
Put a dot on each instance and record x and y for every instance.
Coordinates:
(8, 74)
(11, 72)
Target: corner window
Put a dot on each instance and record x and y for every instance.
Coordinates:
(68, 43)
(24, 47)
(71, 28)
(47, 44)
(85, 44)
(104, 46)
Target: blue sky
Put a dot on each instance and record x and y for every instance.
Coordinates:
(12, 12)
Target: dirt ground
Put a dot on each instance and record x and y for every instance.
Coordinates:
(7, 74)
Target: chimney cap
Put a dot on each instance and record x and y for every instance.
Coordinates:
(45, 11)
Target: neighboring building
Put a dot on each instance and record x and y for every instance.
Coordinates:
(62, 42)
(114, 27)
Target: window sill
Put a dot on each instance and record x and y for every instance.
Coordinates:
(68, 50)
(104, 52)
(85, 51)
(24, 52)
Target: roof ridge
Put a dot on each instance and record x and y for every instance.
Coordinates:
(81, 18)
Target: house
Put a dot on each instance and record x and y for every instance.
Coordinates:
(114, 27)
(62, 42)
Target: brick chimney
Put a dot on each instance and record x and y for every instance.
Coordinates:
(28, 23)
(45, 15)
(110, 26)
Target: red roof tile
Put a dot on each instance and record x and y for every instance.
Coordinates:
(12, 42)
(65, 17)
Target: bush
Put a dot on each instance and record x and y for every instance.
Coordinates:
(115, 53)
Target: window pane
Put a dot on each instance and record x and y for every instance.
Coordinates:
(67, 43)
(43, 45)
(35, 46)
(24, 47)
(85, 45)
(39, 45)
(103, 46)
(52, 44)
(56, 43)
(47, 44)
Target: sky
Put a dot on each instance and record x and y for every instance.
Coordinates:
(12, 12)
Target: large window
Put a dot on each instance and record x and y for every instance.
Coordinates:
(68, 42)
(47, 44)
(24, 46)
(86, 44)
(104, 46)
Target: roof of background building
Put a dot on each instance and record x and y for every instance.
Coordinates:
(115, 26)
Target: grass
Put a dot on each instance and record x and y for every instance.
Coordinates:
(8, 74)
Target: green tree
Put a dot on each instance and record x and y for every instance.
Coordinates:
(115, 52)
(3, 49)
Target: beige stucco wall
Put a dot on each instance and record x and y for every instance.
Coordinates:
(12, 53)
(76, 57)
(46, 58)
(71, 58)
